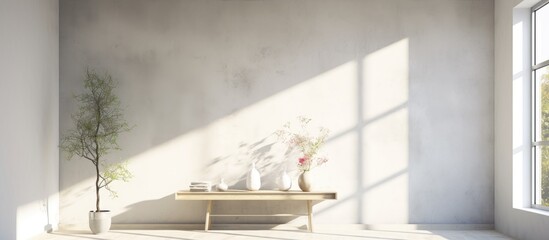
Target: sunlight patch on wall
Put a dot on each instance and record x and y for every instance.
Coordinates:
(521, 108)
(248, 133)
(385, 74)
(518, 65)
(518, 82)
(519, 169)
(385, 134)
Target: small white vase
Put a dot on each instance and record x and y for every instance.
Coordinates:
(253, 180)
(222, 186)
(284, 181)
(100, 222)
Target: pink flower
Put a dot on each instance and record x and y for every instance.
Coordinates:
(302, 160)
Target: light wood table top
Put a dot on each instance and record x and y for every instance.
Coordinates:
(255, 195)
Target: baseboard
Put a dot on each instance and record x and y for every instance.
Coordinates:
(378, 227)
(428, 227)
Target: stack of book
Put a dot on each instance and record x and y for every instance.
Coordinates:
(201, 186)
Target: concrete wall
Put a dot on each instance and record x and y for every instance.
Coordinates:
(406, 88)
(29, 100)
(513, 215)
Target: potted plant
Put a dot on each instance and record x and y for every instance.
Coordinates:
(308, 144)
(97, 124)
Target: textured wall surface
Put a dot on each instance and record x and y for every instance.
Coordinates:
(406, 88)
(29, 102)
(513, 215)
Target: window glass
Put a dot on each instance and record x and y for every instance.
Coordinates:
(542, 104)
(542, 176)
(542, 34)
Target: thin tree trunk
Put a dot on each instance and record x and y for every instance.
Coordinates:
(98, 117)
(97, 187)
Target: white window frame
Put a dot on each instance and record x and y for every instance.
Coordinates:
(536, 165)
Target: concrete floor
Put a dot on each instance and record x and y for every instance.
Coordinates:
(279, 234)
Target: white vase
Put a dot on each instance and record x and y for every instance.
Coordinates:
(100, 222)
(222, 186)
(284, 181)
(253, 180)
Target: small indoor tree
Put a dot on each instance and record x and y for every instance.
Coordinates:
(97, 125)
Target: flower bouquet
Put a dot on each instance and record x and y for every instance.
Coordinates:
(308, 144)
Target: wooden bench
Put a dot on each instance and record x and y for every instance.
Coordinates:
(236, 195)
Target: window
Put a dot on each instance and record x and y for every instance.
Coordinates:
(540, 76)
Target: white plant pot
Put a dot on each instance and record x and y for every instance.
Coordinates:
(100, 222)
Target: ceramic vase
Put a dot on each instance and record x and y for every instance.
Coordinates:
(253, 180)
(222, 186)
(284, 181)
(304, 181)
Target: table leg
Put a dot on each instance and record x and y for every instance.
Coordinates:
(208, 211)
(310, 211)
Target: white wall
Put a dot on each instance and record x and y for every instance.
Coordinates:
(29, 103)
(406, 88)
(512, 124)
